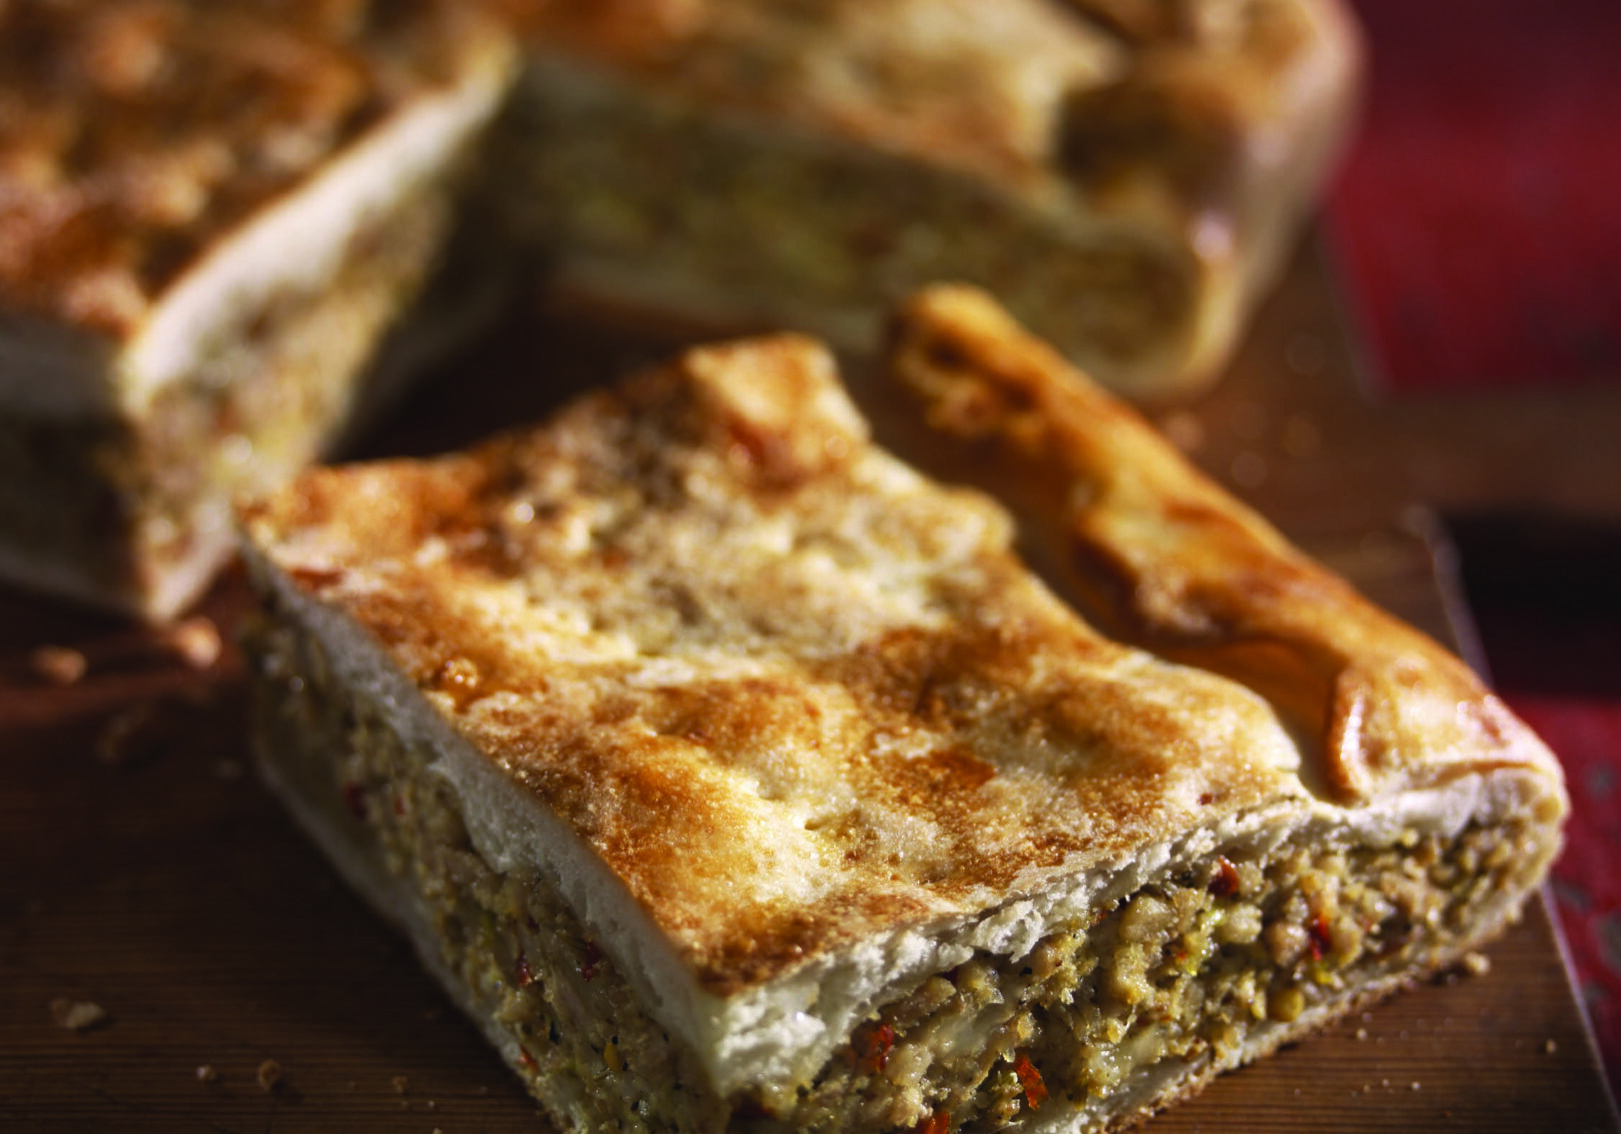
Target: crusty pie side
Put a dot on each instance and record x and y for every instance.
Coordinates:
(734, 775)
(1126, 176)
(209, 214)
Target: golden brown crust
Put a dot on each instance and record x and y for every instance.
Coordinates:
(790, 693)
(134, 135)
(1158, 555)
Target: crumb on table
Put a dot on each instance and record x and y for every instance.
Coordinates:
(270, 1075)
(77, 1015)
(197, 641)
(59, 665)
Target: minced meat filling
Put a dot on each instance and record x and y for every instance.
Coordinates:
(1182, 969)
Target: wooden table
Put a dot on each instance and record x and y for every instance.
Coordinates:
(144, 870)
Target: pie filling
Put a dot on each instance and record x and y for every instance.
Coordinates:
(1217, 952)
(672, 205)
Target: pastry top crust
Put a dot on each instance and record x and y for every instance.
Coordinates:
(1158, 555)
(1023, 92)
(134, 135)
(790, 692)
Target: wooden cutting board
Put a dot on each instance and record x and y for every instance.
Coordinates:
(144, 870)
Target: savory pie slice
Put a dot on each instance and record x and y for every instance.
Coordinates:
(1126, 175)
(209, 214)
(735, 776)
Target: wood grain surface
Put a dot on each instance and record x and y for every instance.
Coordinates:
(144, 870)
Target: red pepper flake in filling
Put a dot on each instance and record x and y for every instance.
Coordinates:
(527, 1061)
(525, 976)
(938, 1122)
(872, 1048)
(1035, 1091)
(753, 1110)
(354, 798)
(593, 957)
(399, 805)
(1321, 936)
(1225, 882)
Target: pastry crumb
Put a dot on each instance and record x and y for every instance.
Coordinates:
(206, 1073)
(126, 737)
(77, 1015)
(270, 1075)
(1477, 964)
(197, 641)
(1550, 1047)
(59, 665)
(401, 1084)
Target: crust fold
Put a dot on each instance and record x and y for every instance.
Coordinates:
(1156, 554)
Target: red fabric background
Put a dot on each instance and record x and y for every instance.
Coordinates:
(1479, 218)
(1556, 657)
(1478, 224)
